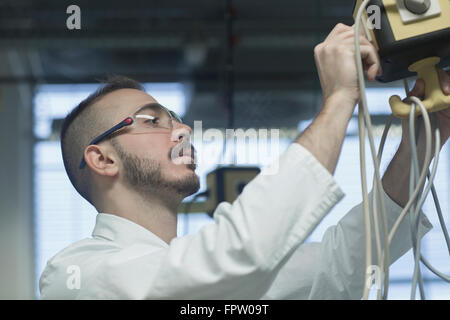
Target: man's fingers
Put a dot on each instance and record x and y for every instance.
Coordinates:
(444, 77)
(369, 56)
(419, 89)
(339, 28)
(351, 41)
(371, 59)
(346, 36)
(361, 31)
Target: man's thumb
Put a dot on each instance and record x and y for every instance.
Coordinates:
(419, 89)
(444, 77)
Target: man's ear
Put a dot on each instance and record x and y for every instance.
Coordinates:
(101, 160)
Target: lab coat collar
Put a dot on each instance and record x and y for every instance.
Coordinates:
(123, 231)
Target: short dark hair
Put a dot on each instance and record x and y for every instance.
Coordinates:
(82, 125)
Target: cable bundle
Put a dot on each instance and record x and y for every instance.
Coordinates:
(417, 180)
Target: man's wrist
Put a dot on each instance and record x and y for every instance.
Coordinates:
(340, 102)
(344, 97)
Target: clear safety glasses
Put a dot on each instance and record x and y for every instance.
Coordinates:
(146, 119)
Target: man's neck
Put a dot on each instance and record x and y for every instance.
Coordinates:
(156, 213)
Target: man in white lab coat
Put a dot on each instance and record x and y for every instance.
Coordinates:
(118, 149)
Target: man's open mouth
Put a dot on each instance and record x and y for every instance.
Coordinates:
(185, 156)
(187, 153)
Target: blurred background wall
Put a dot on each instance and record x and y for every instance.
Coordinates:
(16, 199)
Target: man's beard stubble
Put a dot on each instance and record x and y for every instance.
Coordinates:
(146, 176)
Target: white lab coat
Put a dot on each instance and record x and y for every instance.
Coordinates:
(253, 250)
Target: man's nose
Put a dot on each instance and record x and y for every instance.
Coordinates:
(181, 132)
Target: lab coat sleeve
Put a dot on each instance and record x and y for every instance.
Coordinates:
(335, 267)
(238, 256)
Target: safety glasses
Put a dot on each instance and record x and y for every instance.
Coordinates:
(145, 120)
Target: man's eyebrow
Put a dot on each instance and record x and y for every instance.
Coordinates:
(150, 105)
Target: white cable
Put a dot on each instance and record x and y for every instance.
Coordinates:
(368, 258)
(444, 228)
(414, 174)
(440, 216)
(432, 269)
(420, 204)
(421, 177)
(414, 167)
(364, 109)
(374, 192)
(436, 202)
(413, 177)
(365, 202)
(364, 120)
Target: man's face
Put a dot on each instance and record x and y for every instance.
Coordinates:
(147, 159)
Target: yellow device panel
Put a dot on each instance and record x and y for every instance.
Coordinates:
(413, 38)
